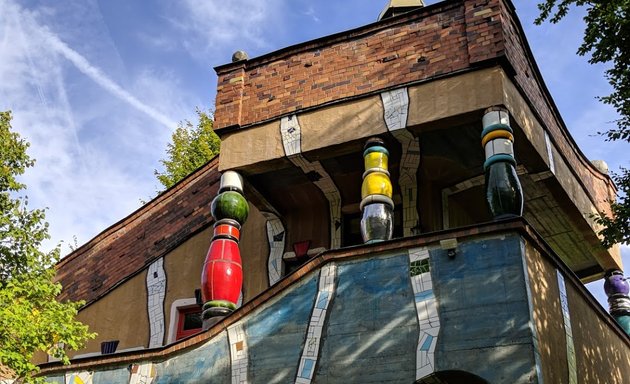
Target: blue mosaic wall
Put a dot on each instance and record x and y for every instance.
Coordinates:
(275, 336)
(483, 308)
(365, 325)
(372, 328)
(207, 364)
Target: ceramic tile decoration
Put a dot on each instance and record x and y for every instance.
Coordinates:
(156, 290)
(310, 352)
(238, 353)
(290, 132)
(377, 206)
(564, 305)
(291, 135)
(275, 237)
(504, 195)
(617, 289)
(142, 373)
(427, 309)
(552, 166)
(222, 274)
(396, 105)
(79, 378)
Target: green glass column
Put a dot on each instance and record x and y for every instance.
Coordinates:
(504, 194)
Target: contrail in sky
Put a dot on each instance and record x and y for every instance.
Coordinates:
(101, 79)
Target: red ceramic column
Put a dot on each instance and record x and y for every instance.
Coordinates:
(222, 274)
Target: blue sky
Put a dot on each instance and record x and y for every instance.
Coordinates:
(97, 87)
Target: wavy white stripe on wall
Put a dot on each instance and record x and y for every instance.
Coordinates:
(142, 373)
(564, 305)
(156, 290)
(275, 237)
(238, 353)
(427, 310)
(395, 111)
(310, 353)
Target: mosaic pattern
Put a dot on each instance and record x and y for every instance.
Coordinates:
(426, 307)
(142, 373)
(156, 290)
(291, 135)
(310, 352)
(79, 378)
(238, 353)
(323, 181)
(564, 304)
(396, 105)
(275, 237)
(552, 166)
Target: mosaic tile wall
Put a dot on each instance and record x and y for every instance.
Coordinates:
(396, 106)
(391, 317)
(156, 290)
(564, 305)
(275, 237)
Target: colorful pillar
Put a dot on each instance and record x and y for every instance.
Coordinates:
(376, 194)
(617, 289)
(503, 189)
(222, 274)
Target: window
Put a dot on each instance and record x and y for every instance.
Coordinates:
(189, 321)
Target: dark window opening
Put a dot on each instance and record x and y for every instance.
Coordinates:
(189, 321)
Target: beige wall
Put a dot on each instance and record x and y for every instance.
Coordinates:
(119, 315)
(122, 313)
(600, 350)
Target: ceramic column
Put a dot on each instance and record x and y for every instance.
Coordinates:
(503, 189)
(617, 289)
(222, 274)
(376, 205)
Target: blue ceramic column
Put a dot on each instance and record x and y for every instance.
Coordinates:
(617, 289)
(503, 189)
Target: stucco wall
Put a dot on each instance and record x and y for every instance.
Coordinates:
(601, 351)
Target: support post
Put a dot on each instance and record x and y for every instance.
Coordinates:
(376, 194)
(617, 289)
(504, 195)
(222, 274)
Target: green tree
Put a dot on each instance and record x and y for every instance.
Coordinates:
(190, 148)
(31, 318)
(607, 40)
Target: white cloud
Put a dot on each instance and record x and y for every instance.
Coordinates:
(214, 25)
(96, 143)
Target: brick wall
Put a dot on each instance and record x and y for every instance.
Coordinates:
(433, 41)
(149, 233)
(527, 78)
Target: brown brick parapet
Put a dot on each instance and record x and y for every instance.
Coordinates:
(433, 41)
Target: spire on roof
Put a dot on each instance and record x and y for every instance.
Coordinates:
(396, 7)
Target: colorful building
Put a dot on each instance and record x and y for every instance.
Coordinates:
(403, 203)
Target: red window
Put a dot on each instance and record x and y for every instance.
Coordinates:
(188, 321)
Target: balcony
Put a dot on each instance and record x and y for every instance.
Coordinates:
(490, 303)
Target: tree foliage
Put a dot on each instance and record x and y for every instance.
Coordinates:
(31, 318)
(607, 40)
(190, 147)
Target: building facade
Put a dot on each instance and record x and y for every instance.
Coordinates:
(488, 200)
